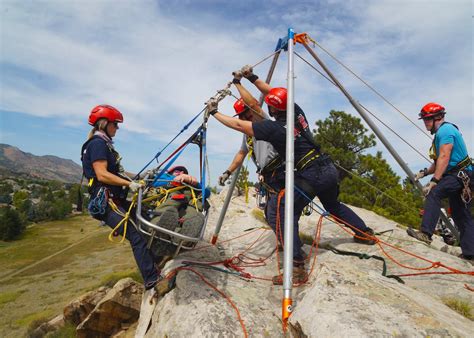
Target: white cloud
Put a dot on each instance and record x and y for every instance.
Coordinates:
(62, 58)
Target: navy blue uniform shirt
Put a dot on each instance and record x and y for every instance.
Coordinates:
(97, 149)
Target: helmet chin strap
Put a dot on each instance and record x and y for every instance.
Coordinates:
(434, 128)
(105, 130)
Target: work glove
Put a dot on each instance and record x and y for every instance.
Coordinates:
(224, 177)
(419, 175)
(134, 186)
(247, 72)
(427, 188)
(237, 76)
(212, 106)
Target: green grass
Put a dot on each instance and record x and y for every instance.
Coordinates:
(7, 297)
(259, 215)
(306, 239)
(114, 277)
(35, 318)
(461, 306)
(42, 240)
(67, 331)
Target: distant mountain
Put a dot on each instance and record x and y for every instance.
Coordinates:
(15, 162)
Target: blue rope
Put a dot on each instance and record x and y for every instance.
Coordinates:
(165, 169)
(203, 176)
(174, 138)
(322, 211)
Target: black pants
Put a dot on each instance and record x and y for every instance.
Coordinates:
(143, 256)
(324, 184)
(450, 187)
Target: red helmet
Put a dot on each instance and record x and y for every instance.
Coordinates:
(276, 98)
(239, 106)
(430, 110)
(105, 111)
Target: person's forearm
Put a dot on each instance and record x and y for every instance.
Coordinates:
(237, 161)
(236, 124)
(441, 165)
(262, 86)
(431, 169)
(249, 100)
(109, 178)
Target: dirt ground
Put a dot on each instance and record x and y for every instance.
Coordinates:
(54, 263)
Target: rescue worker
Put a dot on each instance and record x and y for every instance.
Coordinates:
(452, 171)
(264, 156)
(109, 185)
(315, 173)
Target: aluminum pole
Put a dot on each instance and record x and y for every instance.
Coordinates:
(226, 204)
(379, 134)
(289, 189)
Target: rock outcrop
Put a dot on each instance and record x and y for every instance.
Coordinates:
(118, 309)
(345, 296)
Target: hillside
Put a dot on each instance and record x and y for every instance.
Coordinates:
(15, 162)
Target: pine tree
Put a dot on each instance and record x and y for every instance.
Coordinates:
(343, 137)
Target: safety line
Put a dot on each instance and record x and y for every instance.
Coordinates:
(227, 298)
(368, 111)
(371, 88)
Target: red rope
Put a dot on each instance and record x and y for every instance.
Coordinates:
(229, 300)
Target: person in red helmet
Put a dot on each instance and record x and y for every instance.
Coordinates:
(315, 174)
(109, 185)
(452, 172)
(263, 155)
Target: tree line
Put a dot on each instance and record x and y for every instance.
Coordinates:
(25, 201)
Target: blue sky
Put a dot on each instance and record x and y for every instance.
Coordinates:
(159, 61)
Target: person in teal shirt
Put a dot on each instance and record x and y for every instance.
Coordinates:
(452, 172)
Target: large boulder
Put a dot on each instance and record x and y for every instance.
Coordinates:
(76, 311)
(118, 309)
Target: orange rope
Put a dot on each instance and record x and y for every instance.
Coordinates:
(229, 300)
(380, 242)
(227, 240)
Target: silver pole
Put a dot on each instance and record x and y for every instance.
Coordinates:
(228, 197)
(379, 134)
(289, 175)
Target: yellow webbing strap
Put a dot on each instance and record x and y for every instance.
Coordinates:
(124, 221)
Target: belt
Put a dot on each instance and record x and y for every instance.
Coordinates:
(461, 165)
(275, 163)
(307, 159)
(313, 157)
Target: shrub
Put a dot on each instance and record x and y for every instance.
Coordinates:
(11, 224)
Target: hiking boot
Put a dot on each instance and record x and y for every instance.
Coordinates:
(300, 276)
(467, 257)
(419, 235)
(363, 239)
(449, 239)
(164, 286)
